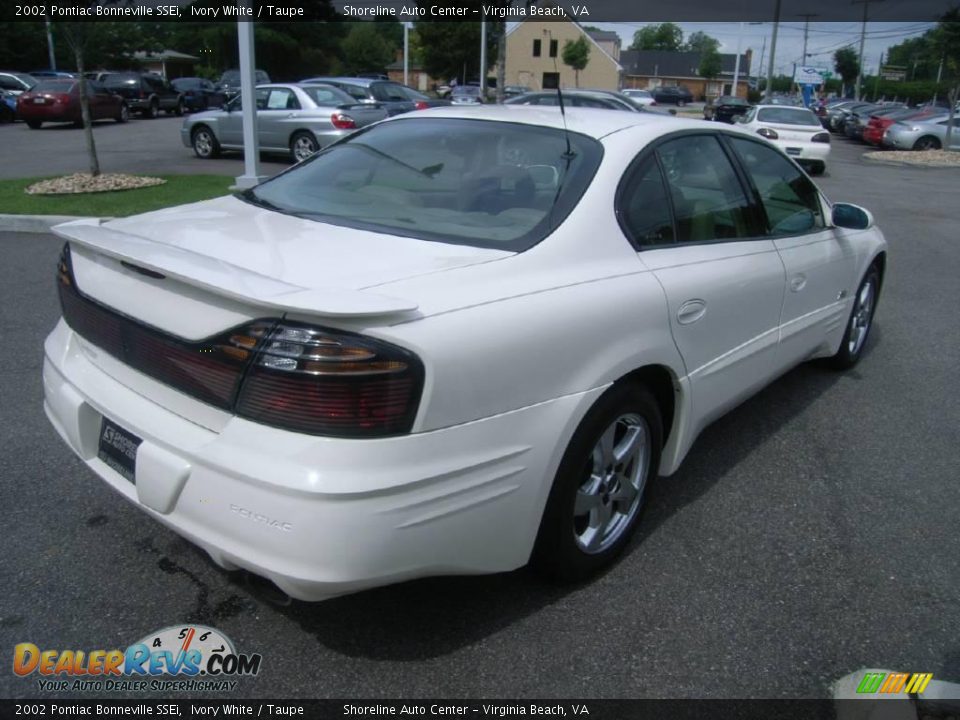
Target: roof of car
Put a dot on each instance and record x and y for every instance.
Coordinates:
(593, 122)
(352, 80)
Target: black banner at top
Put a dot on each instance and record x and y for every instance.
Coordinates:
(584, 11)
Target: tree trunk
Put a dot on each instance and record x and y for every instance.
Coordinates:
(85, 114)
(952, 97)
(576, 77)
(501, 62)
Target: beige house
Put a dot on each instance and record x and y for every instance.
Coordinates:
(534, 56)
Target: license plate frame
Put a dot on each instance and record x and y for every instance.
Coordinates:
(117, 448)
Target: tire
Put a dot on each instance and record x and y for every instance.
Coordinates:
(681, 103)
(859, 323)
(204, 143)
(178, 111)
(817, 168)
(153, 111)
(302, 145)
(34, 124)
(571, 547)
(927, 142)
(124, 113)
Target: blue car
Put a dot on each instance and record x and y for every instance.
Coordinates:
(8, 106)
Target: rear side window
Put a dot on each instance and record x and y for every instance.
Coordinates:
(388, 92)
(789, 199)
(788, 116)
(644, 207)
(708, 201)
(355, 91)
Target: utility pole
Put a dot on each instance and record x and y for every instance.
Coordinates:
(736, 65)
(763, 51)
(863, 37)
(806, 32)
(53, 56)
(483, 60)
(406, 53)
(876, 83)
(773, 50)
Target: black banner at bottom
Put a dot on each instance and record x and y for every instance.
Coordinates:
(446, 709)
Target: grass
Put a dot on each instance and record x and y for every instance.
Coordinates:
(178, 190)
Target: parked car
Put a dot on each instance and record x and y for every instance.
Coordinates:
(229, 83)
(837, 115)
(795, 130)
(928, 133)
(146, 93)
(16, 82)
(52, 74)
(58, 100)
(878, 123)
(725, 108)
(510, 91)
(640, 97)
(8, 106)
(295, 119)
(856, 121)
(401, 358)
(198, 93)
(672, 95)
(396, 98)
(466, 95)
(576, 98)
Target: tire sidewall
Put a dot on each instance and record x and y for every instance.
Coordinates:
(213, 142)
(293, 143)
(556, 552)
(844, 358)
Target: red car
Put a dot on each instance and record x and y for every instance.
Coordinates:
(877, 126)
(58, 100)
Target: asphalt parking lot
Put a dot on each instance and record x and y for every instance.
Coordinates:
(810, 533)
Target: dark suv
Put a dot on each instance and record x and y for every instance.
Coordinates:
(394, 97)
(672, 95)
(145, 93)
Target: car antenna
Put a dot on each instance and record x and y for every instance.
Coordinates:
(563, 115)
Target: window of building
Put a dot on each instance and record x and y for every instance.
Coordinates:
(553, 48)
(536, 48)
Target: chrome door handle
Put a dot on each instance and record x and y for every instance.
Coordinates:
(691, 311)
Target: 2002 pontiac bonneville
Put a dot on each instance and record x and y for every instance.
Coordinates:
(455, 342)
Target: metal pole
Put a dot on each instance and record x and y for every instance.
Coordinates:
(483, 59)
(406, 54)
(773, 50)
(863, 36)
(806, 32)
(736, 65)
(53, 55)
(248, 94)
(763, 51)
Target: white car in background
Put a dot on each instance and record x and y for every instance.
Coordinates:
(457, 341)
(795, 130)
(640, 97)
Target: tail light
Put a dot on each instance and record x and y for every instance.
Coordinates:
(328, 382)
(288, 375)
(421, 105)
(342, 122)
(821, 138)
(767, 133)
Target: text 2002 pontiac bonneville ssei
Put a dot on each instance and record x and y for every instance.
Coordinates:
(457, 341)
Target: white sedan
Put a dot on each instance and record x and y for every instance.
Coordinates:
(454, 342)
(640, 97)
(795, 130)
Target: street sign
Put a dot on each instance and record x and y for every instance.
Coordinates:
(810, 75)
(892, 72)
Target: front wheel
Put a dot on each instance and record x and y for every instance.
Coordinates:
(124, 114)
(34, 124)
(597, 496)
(178, 111)
(205, 143)
(303, 145)
(927, 143)
(681, 103)
(859, 323)
(153, 110)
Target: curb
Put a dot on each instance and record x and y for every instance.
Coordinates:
(870, 158)
(40, 224)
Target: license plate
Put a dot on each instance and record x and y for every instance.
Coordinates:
(118, 449)
(39, 101)
(793, 151)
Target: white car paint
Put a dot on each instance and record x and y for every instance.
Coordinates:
(795, 140)
(516, 348)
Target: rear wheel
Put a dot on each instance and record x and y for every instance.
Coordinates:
(817, 168)
(153, 110)
(205, 143)
(303, 145)
(34, 124)
(860, 321)
(597, 496)
(927, 142)
(178, 110)
(124, 114)
(681, 103)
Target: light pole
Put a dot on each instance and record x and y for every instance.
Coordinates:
(406, 53)
(736, 65)
(773, 51)
(483, 60)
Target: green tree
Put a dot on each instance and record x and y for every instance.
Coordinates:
(847, 65)
(576, 54)
(709, 66)
(918, 55)
(946, 40)
(452, 49)
(701, 43)
(365, 49)
(665, 36)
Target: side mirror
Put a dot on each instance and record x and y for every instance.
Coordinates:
(852, 217)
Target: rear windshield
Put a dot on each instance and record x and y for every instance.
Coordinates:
(327, 95)
(114, 79)
(788, 116)
(60, 86)
(469, 182)
(186, 83)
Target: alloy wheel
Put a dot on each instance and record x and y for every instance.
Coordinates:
(861, 317)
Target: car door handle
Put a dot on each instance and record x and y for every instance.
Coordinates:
(691, 311)
(798, 282)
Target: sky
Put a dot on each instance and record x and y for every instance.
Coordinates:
(823, 40)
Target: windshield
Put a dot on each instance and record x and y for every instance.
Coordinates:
(56, 86)
(788, 116)
(114, 79)
(466, 90)
(230, 77)
(472, 182)
(186, 83)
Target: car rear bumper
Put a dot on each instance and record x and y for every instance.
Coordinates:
(321, 516)
(805, 151)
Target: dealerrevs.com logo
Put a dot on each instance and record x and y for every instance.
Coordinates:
(198, 657)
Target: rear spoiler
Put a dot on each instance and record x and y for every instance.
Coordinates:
(227, 280)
